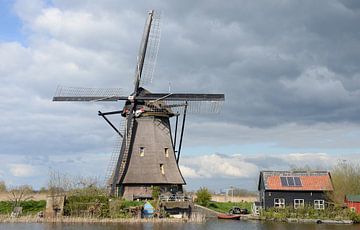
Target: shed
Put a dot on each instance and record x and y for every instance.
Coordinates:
(294, 189)
(353, 202)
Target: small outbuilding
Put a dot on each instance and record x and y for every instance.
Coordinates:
(353, 202)
(280, 189)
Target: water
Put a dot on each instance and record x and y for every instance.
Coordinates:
(212, 225)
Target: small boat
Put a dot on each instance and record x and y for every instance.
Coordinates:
(229, 216)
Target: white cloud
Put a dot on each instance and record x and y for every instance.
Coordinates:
(239, 166)
(217, 166)
(22, 170)
(188, 172)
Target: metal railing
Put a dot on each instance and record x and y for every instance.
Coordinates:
(173, 197)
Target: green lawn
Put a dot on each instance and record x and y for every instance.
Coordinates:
(29, 207)
(224, 207)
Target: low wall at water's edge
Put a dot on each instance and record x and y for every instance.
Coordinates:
(205, 211)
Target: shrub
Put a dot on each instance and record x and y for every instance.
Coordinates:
(118, 208)
(85, 205)
(203, 196)
(29, 207)
(155, 192)
(355, 217)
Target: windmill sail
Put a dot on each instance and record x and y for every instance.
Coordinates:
(151, 51)
(64, 93)
(147, 155)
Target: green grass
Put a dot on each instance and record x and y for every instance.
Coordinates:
(224, 207)
(29, 207)
(5, 207)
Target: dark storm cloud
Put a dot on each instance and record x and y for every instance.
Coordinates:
(246, 49)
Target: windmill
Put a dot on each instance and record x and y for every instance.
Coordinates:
(148, 155)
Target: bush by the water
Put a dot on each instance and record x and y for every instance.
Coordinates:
(29, 207)
(87, 206)
(119, 208)
(203, 196)
(330, 213)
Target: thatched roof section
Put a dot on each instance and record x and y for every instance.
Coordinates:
(153, 166)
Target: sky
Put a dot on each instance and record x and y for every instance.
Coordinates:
(289, 70)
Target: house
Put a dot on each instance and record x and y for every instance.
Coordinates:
(295, 189)
(353, 202)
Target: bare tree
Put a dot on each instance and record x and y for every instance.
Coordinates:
(345, 177)
(19, 194)
(58, 183)
(2, 186)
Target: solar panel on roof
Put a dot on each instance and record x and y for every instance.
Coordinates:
(290, 181)
(283, 181)
(297, 181)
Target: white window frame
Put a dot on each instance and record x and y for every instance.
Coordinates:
(319, 204)
(279, 202)
(299, 203)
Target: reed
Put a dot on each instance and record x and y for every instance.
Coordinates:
(195, 218)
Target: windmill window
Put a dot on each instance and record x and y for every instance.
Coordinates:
(162, 169)
(142, 151)
(166, 152)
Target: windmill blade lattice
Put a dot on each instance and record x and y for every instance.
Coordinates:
(64, 93)
(151, 50)
(115, 153)
(195, 107)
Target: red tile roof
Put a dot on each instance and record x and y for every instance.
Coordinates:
(310, 181)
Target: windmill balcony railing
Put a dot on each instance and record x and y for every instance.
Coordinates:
(174, 197)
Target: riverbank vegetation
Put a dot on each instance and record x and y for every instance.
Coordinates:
(345, 177)
(330, 213)
(29, 207)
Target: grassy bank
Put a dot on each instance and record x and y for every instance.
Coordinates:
(30, 207)
(330, 213)
(34, 219)
(224, 207)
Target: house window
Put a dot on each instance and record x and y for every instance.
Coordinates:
(166, 150)
(319, 204)
(162, 169)
(142, 151)
(279, 203)
(298, 203)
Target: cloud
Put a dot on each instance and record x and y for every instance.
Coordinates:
(289, 71)
(217, 166)
(22, 170)
(239, 166)
(188, 172)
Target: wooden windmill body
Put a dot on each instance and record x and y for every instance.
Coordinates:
(149, 154)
